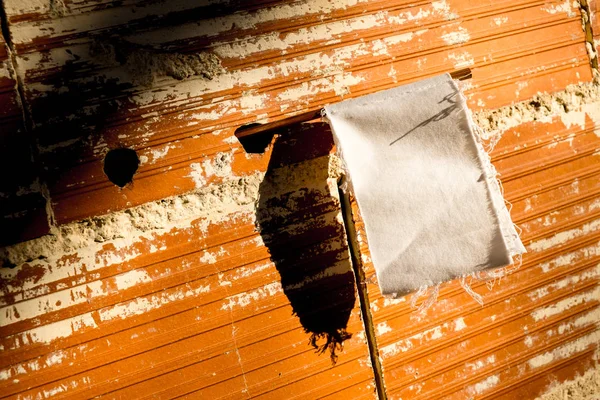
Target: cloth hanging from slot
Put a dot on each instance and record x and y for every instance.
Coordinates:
(426, 189)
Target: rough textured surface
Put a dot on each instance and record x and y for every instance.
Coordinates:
(571, 105)
(211, 203)
(222, 288)
(147, 64)
(585, 387)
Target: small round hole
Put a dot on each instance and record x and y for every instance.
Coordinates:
(120, 165)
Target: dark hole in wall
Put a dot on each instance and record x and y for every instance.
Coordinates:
(298, 220)
(256, 143)
(120, 165)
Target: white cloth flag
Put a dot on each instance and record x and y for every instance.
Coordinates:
(425, 187)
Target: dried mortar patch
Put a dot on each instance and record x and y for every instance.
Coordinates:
(542, 107)
(336, 167)
(57, 8)
(146, 65)
(212, 203)
(586, 387)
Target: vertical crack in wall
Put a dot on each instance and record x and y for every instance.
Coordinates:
(26, 112)
(586, 24)
(13, 65)
(362, 294)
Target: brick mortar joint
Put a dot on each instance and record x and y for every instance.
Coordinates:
(211, 203)
(542, 107)
(586, 24)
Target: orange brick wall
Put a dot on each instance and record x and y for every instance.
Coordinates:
(222, 274)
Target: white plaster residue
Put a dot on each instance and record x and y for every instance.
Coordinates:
(379, 48)
(142, 305)
(383, 328)
(528, 341)
(258, 241)
(219, 166)
(80, 246)
(246, 272)
(342, 83)
(48, 333)
(402, 38)
(339, 83)
(245, 20)
(283, 41)
(126, 253)
(419, 338)
(36, 307)
(243, 48)
(4, 70)
(591, 50)
(545, 108)
(565, 304)
(563, 237)
(55, 358)
(12, 371)
(244, 299)
(566, 6)
(574, 118)
(231, 140)
(211, 258)
(592, 110)
(318, 63)
(477, 365)
(208, 258)
(304, 90)
(223, 282)
(520, 86)
(582, 387)
(565, 351)
(55, 390)
(390, 301)
(250, 102)
(375, 306)
(563, 283)
(395, 348)
(152, 114)
(206, 28)
(560, 261)
(459, 324)
(589, 318)
(131, 278)
(461, 60)
(461, 35)
(157, 154)
(442, 7)
(500, 20)
(197, 175)
(485, 385)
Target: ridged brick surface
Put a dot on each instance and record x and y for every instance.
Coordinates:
(206, 278)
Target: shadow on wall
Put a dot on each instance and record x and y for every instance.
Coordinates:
(298, 216)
